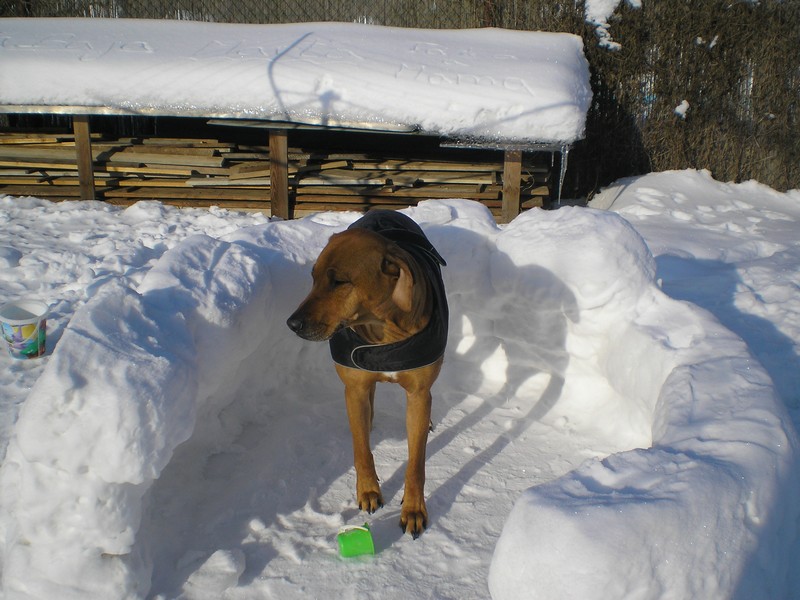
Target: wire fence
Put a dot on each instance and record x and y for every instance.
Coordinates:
(400, 13)
(710, 85)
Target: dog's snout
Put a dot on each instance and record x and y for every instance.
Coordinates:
(306, 327)
(295, 323)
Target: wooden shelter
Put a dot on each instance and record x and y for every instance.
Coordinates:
(265, 148)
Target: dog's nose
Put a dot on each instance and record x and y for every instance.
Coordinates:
(295, 323)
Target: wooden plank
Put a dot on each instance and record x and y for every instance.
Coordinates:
(445, 193)
(23, 139)
(33, 154)
(245, 170)
(425, 165)
(279, 173)
(28, 172)
(512, 174)
(186, 142)
(235, 204)
(156, 193)
(230, 155)
(16, 155)
(154, 158)
(83, 153)
(423, 192)
(42, 191)
(344, 177)
(144, 188)
(21, 164)
(536, 202)
(151, 182)
(147, 171)
(21, 180)
(476, 178)
(256, 173)
(400, 178)
(324, 166)
(361, 205)
(41, 138)
(51, 181)
(344, 190)
(227, 182)
(172, 150)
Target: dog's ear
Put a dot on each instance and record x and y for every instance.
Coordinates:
(404, 286)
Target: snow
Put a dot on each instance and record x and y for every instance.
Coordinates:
(682, 109)
(618, 408)
(611, 421)
(476, 83)
(598, 13)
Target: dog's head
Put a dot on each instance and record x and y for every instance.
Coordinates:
(360, 278)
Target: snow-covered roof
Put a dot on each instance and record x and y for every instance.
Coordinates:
(490, 84)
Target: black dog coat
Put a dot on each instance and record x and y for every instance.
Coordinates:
(423, 348)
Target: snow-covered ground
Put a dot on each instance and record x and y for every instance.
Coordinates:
(610, 423)
(617, 413)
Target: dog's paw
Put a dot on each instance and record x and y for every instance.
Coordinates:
(413, 520)
(370, 501)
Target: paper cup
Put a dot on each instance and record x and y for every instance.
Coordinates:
(355, 540)
(24, 326)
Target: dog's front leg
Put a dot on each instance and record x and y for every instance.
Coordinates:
(359, 392)
(414, 514)
(417, 384)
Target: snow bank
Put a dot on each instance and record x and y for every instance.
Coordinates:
(704, 512)
(695, 516)
(136, 374)
(124, 388)
(199, 350)
(488, 83)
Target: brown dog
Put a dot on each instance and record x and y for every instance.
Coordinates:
(378, 296)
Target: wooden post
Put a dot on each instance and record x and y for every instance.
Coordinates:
(279, 173)
(512, 177)
(83, 156)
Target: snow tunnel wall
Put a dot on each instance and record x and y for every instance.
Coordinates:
(139, 374)
(710, 510)
(136, 374)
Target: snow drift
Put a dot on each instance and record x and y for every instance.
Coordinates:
(143, 381)
(698, 510)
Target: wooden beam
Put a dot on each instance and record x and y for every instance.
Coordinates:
(279, 173)
(83, 155)
(512, 175)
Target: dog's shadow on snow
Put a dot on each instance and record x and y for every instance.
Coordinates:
(508, 333)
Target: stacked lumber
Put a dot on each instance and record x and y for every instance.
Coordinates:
(205, 172)
(126, 170)
(368, 181)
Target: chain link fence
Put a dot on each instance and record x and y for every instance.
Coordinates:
(456, 14)
(735, 65)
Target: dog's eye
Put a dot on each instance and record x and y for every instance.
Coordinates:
(337, 280)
